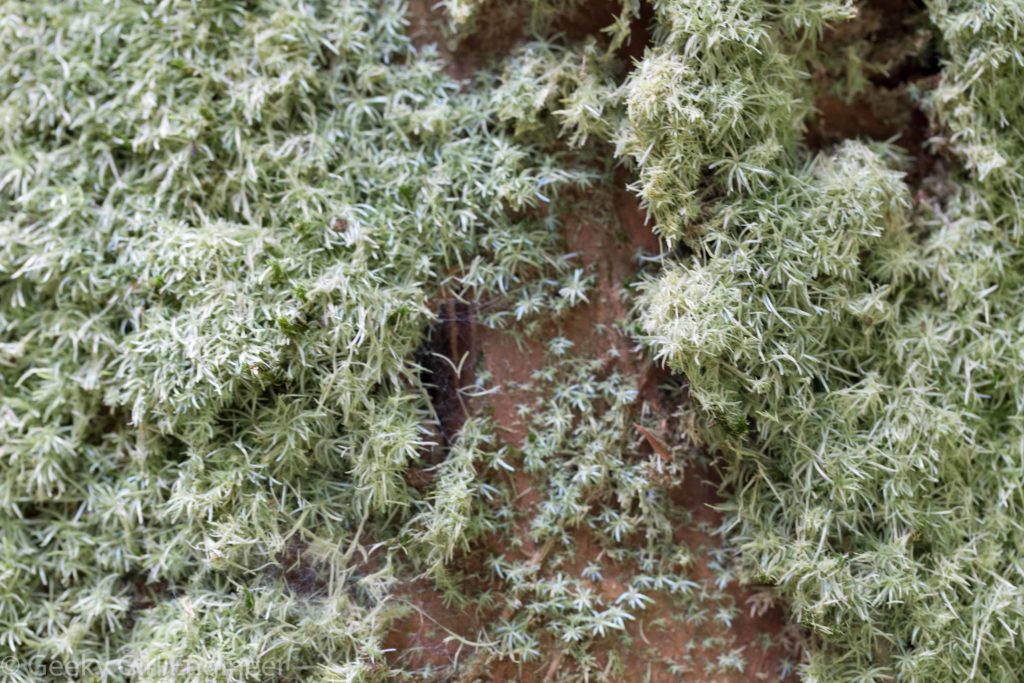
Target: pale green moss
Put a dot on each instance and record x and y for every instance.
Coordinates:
(861, 356)
(223, 230)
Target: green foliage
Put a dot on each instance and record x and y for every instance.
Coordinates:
(977, 99)
(604, 498)
(456, 514)
(860, 355)
(718, 101)
(223, 225)
(795, 287)
(224, 230)
(537, 17)
(548, 89)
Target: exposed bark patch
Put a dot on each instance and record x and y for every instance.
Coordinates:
(299, 571)
(607, 234)
(419, 639)
(503, 25)
(589, 18)
(870, 77)
(446, 360)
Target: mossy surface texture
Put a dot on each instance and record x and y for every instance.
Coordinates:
(228, 228)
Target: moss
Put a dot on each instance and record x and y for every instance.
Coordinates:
(224, 231)
(868, 342)
(224, 225)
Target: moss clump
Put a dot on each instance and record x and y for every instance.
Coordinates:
(860, 353)
(223, 227)
(719, 101)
